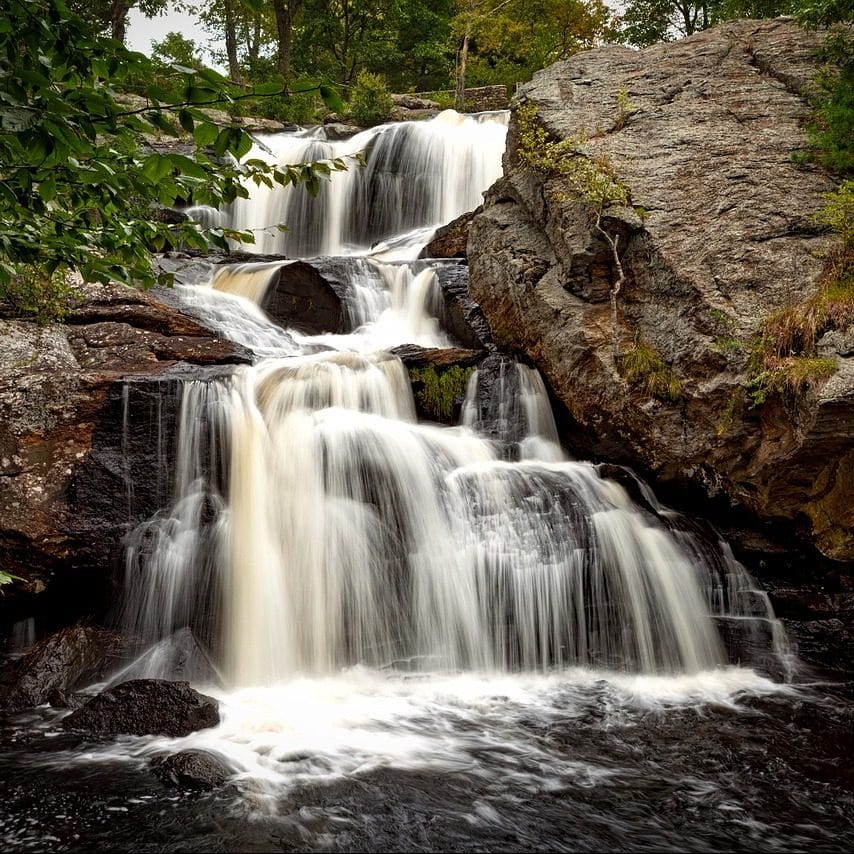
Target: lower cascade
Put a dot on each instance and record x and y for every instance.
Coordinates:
(318, 526)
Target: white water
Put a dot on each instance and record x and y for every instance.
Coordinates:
(419, 175)
(375, 592)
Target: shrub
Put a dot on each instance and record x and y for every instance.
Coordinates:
(370, 102)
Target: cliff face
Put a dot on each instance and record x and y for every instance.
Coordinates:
(720, 235)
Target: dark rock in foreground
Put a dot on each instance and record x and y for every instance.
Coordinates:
(69, 659)
(146, 707)
(191, 769)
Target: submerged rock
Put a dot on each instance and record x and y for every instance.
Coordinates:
(719, 235)
(146, 707)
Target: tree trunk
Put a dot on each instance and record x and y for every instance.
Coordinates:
(231, 43)
(460, 97)
(118, 19)
(615, 288)
(286, 11)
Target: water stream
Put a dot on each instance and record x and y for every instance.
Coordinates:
(428, 637)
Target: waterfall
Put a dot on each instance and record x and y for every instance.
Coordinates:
(419, 175)
(316, 525)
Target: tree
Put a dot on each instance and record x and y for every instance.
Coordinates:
(340, 37)
(111, 15)
(286, 12)
(514, 38)
(78, 182)
(175, 48)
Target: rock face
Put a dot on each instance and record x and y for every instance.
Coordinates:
(74, 400)
(146, 707)
(721, 235)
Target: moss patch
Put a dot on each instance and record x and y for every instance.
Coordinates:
(644, 368)
(437, 392)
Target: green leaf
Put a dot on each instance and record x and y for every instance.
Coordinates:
(205, 133)
(187, 166)
(332, 99)
(271, 88)
(242, 143)
(185, 118)
(253, 5)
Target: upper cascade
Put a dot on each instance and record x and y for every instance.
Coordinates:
(418, 176)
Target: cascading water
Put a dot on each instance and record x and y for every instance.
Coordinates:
(333, 530)
(425, 637)
(419, 175)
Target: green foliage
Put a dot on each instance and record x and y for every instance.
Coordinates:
(370, 102)
(644, 368)
(77, 184)
(790, 376)
(175, 48)
(438, 392)
(589, 180)
(6, 578)
(509, 43)
(31, 291)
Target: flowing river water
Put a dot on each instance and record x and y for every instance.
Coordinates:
(424, 637)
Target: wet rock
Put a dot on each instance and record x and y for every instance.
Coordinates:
(721, 234)
(68, 659)
(414, 356)
(191, 769)
(310, 297)
(146, 707)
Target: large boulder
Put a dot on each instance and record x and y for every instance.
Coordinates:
(146, 707)
(721, 233)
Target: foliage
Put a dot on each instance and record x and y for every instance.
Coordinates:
(589, 180)
(32, 292)
(6, 578)
(174, 49)
(784, 359)
(510, 41)
(370, 102)
(440, 391)
(78, 183)
(644, 368)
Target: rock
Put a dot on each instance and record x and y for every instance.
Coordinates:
(339, 130)
(414, 356)
(451, 240)
(69, 659)
(461, 316)
(414, 102)
(721, 235)
(146, 707)
(191, 769)
(311, 297)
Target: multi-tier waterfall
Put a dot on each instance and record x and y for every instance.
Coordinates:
(323, 546)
